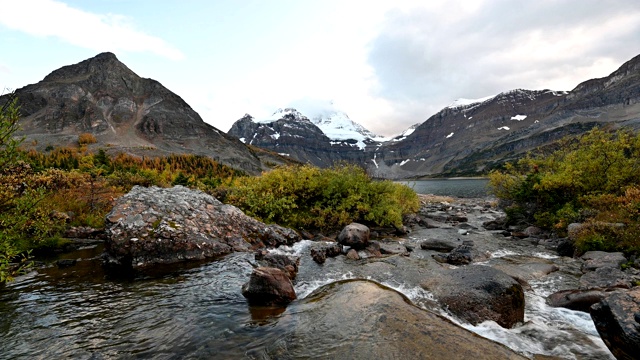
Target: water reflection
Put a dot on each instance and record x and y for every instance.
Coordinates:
(462, 188)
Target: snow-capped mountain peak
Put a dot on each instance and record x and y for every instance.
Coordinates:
(338, 126)
(289, 113)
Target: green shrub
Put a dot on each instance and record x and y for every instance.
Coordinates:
(589, 178)
(312, 198)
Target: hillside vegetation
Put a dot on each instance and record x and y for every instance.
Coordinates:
(592, 179)
(44, 193)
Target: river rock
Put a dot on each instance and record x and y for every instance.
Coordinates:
(352, 254)
(566, 247)
(287, 263)
(598, 259)
(390, 247)
(580, 300)
(268, 286)
(354, 235)
(444, 245)
(617, 318)
(153, 225)
(606, 278)
(533, 231)
(497, 224)
(359, 319)
(479, 293)
(320, 253)
(527, 271)
(463, 254)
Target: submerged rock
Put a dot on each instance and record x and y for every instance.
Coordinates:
(360, 319)
(268, 286)
(153, 225)
(479, 293)
(617, 318)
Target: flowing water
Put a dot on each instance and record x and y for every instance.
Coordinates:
(198, 311)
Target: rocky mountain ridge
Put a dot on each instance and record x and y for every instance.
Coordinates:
(126, 113)
(471, 137)
(324, 140)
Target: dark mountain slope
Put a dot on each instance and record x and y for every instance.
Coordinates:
(124, 112)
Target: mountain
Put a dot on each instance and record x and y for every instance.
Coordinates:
(325, 139)
(126, 113)
(470, 137)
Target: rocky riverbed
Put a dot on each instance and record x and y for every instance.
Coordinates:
(454, 259)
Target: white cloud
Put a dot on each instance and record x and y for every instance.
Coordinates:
(424, 58)
(99, 32)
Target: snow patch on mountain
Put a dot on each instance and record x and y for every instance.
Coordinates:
(405, 133)
(462, 102)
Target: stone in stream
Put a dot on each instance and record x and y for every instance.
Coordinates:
(390, 247)
(150, 226)
(354, 235)
(463, 254)
(479, 293)
(268, 286)
(606, 278)
(598, 259)
(444, 245)
(359, 319)
(617, 318)
(525, 272)
(320, 253)
(288, 264)
(579, 300)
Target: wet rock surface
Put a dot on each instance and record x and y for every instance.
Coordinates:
(269, 286)
(598, 259)
(150, 226)
(320, 252)
(479, 293)
(286, 263)
(580, 300)
(617, 318)
(364, 320)
(354, 235)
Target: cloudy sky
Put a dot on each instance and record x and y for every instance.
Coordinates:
(388, 64)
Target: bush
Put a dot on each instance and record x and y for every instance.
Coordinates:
(86, 139)
(591, 178)
(312, 198)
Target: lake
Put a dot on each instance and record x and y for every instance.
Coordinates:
(459, 187)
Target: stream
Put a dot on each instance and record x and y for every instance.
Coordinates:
(197, 311)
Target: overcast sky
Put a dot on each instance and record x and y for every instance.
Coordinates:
(387, 64)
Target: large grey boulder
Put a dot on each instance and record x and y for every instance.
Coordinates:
(153, 225)
(479, 293)
(617, 318)
(359, 319)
